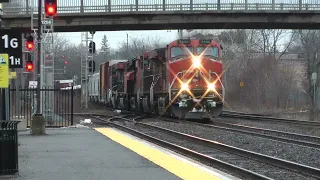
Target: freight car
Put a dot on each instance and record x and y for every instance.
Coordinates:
(94, 88)
(99, 83)
(182, 79)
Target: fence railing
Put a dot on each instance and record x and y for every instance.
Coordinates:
(57, 105)
(24, 7)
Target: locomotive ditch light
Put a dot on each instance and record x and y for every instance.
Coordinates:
(211, 86)
(184, 87)
(196, 62)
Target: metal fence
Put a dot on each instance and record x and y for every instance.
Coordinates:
(57, 105)
(24, 7)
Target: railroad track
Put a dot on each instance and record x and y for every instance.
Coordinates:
(231, 114)
(294, 138)
(245, 163)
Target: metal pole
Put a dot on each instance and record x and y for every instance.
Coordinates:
(128, 46)
(39, 56)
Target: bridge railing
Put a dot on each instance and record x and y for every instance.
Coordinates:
(23, 7)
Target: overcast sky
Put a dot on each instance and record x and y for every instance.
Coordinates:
(115, 37)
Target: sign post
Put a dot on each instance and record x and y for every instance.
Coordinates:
(4, 85)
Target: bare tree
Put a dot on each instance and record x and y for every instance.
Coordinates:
(136, 47)
(307, 45)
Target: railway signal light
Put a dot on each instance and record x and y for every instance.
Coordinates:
(29, 65)
(50, 7)
(30, 43)
(92, 66)
(92, 47)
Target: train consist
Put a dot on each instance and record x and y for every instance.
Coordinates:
(183, 80)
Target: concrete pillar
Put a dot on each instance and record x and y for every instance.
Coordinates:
(38, 125)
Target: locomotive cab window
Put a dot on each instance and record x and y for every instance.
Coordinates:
(209, 51)
(180, 52)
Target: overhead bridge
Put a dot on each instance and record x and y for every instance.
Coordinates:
(110, 15)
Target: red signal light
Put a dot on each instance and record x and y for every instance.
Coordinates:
(30, 43)
(50, 7)
(50, 11)
(30, 46)
(29, 65)
(65, 62)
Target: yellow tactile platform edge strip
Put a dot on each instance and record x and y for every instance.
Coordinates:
(178, 167)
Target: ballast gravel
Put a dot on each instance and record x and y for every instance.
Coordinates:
(300, 129)
(244, 162)
(296, 153)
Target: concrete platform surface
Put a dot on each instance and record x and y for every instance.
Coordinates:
(81, 154)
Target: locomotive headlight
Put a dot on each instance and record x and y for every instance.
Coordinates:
(211, 86)
(196, 62)
(184, 87)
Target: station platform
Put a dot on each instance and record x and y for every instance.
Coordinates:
(102, 153)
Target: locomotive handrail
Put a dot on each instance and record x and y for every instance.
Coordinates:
(174, 79)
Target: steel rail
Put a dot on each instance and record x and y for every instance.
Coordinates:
(185, 151)
(293, 138)
(292, 166)
(270, 119)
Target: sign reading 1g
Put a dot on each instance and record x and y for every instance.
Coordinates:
(11, 44)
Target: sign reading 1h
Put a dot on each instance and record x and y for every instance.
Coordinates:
(10, 43)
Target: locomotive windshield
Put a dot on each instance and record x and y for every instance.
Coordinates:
(209, 51)
(180, 52)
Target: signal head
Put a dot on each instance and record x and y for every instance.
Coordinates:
(51, 7)
(29, 66)
(30, 43)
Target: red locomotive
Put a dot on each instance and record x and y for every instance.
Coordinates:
(182, 79)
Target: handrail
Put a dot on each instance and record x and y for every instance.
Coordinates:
(23, 7)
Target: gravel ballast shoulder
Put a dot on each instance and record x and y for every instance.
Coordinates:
(291, 152)
(300, 129)
(244, 162)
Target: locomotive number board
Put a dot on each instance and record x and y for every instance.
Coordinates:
(184, 41)
(205, 41)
